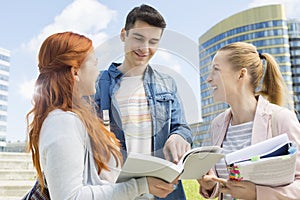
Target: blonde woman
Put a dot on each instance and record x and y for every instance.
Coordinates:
(237, 71)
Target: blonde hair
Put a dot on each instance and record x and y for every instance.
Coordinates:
(245, 55)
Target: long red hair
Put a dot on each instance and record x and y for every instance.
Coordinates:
(59, 54)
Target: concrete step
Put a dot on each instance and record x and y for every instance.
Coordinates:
(16, 164)
(7, 174)
(10, 160)
(15, 188)
(17, 175)
(10, 198)
(15, 155)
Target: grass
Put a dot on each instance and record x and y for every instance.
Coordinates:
(191, 189)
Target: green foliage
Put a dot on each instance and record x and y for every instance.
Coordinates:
(191, 189)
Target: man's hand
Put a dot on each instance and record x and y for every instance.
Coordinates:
(175, 147)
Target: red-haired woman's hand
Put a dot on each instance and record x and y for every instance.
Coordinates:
(159, 187)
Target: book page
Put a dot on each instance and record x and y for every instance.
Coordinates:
(211, 149)
(257, 149)
(274, 171)
(140, 165)
(198, 164)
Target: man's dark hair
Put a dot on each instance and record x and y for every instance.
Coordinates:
(146, 14)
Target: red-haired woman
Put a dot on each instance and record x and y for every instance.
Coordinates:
(80, 159)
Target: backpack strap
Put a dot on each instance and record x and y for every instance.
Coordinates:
(105, 100)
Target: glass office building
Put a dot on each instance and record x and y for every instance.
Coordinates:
(265, 27)
(294, 39)
(4, 77)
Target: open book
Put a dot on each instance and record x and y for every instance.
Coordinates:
(193, 165)
(271, 162)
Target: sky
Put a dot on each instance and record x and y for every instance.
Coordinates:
(25, 25)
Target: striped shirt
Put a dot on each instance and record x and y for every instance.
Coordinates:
(237, 137)
(135, 115)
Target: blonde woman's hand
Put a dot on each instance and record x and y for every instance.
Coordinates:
(238, 189)
(159, 187)
(207, 184)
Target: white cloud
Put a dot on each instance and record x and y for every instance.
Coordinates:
(27, 89)
(166, 58)
(88, 17)
(164, 55)
(292, 7)
(187, 80)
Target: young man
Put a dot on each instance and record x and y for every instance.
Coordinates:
(141, 104)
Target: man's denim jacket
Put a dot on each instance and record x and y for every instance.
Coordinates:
(165, 107)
